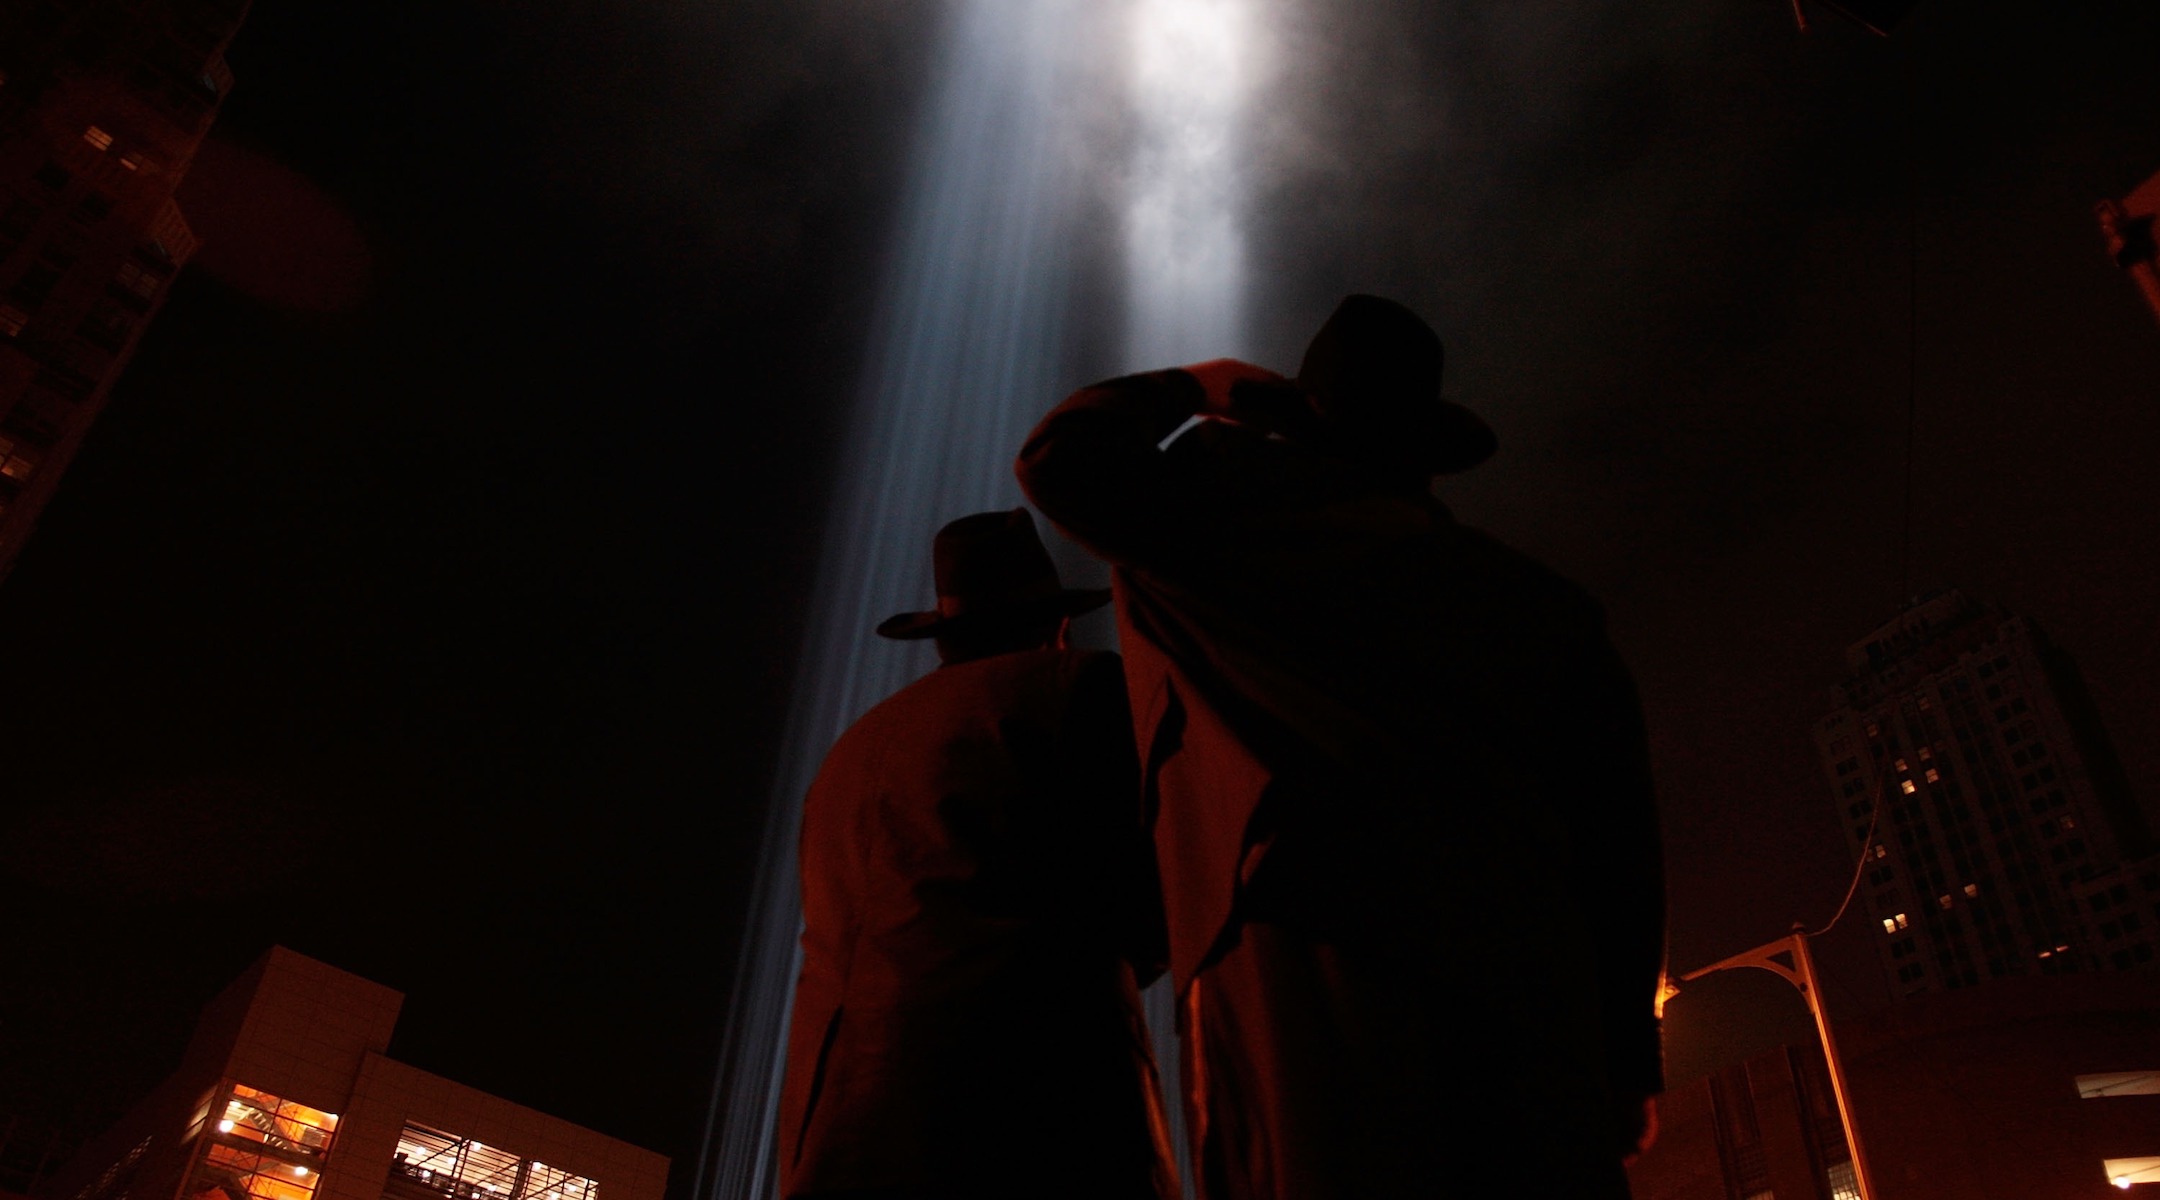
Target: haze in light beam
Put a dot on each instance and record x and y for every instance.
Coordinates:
(1194, 63)
(968, 349)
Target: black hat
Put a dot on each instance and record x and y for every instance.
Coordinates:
(1373, 372)
(988, 565)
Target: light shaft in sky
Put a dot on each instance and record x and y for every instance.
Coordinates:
(969, 349)
(1194, 63)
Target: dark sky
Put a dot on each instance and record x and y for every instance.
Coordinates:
(427, 597)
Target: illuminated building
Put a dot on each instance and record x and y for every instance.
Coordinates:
(102, 106)
(2035, 1087)
(1976, 785)
(284, 1094)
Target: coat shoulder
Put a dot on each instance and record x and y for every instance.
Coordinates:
(1529, 578)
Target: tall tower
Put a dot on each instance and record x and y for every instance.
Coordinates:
(1996, 825)
(102, 106)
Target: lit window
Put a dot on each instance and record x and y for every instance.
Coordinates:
(1926, 753)
(2067, 823)
(97, 137)
(1906, 785)
(1901, 765)
(17, 467)
(252, 1158)
(458, 1168)
(131, 161)
(1944, 901)
(1882, 851)
(1972, 889)
(1889, 924)
(1934, 776)
(1900, 919)
(2124, 1172)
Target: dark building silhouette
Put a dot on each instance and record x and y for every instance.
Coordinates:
(2128, 226)
(2033, 1089)
(1997, 828)
(102, 106)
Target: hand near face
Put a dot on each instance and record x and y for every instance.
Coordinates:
(1245, 394)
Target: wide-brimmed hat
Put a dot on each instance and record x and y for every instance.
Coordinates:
(991, 565)
(1373, 375)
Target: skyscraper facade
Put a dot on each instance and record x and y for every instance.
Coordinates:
(103, 104)
(1996, 829)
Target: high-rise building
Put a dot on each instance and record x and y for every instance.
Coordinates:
(284, 1093)
(102, 106)
(1995, 826)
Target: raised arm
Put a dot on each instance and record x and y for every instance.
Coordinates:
(1097, 465)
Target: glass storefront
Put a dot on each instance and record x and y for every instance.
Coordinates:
(256, 1146)
(431, 1163)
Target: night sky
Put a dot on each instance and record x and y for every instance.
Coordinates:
(427, 598)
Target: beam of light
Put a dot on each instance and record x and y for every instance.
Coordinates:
(967, 350)
(1194, 64)
(967, 353)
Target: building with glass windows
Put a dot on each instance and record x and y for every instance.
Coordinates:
(103, 104)
(285, 1094)
(1994, 824)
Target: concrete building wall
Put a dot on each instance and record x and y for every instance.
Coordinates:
(308, 1029)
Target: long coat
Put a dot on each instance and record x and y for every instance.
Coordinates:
(977, 890)
(1360, 718)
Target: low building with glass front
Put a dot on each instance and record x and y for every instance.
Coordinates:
(285, 1094)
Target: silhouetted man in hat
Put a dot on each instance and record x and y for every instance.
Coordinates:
(980, 909)
(1406, 829)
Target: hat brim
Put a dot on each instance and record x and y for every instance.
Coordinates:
(912, 626)
(1443, 439)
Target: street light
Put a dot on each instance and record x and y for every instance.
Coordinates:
(1788, 959)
